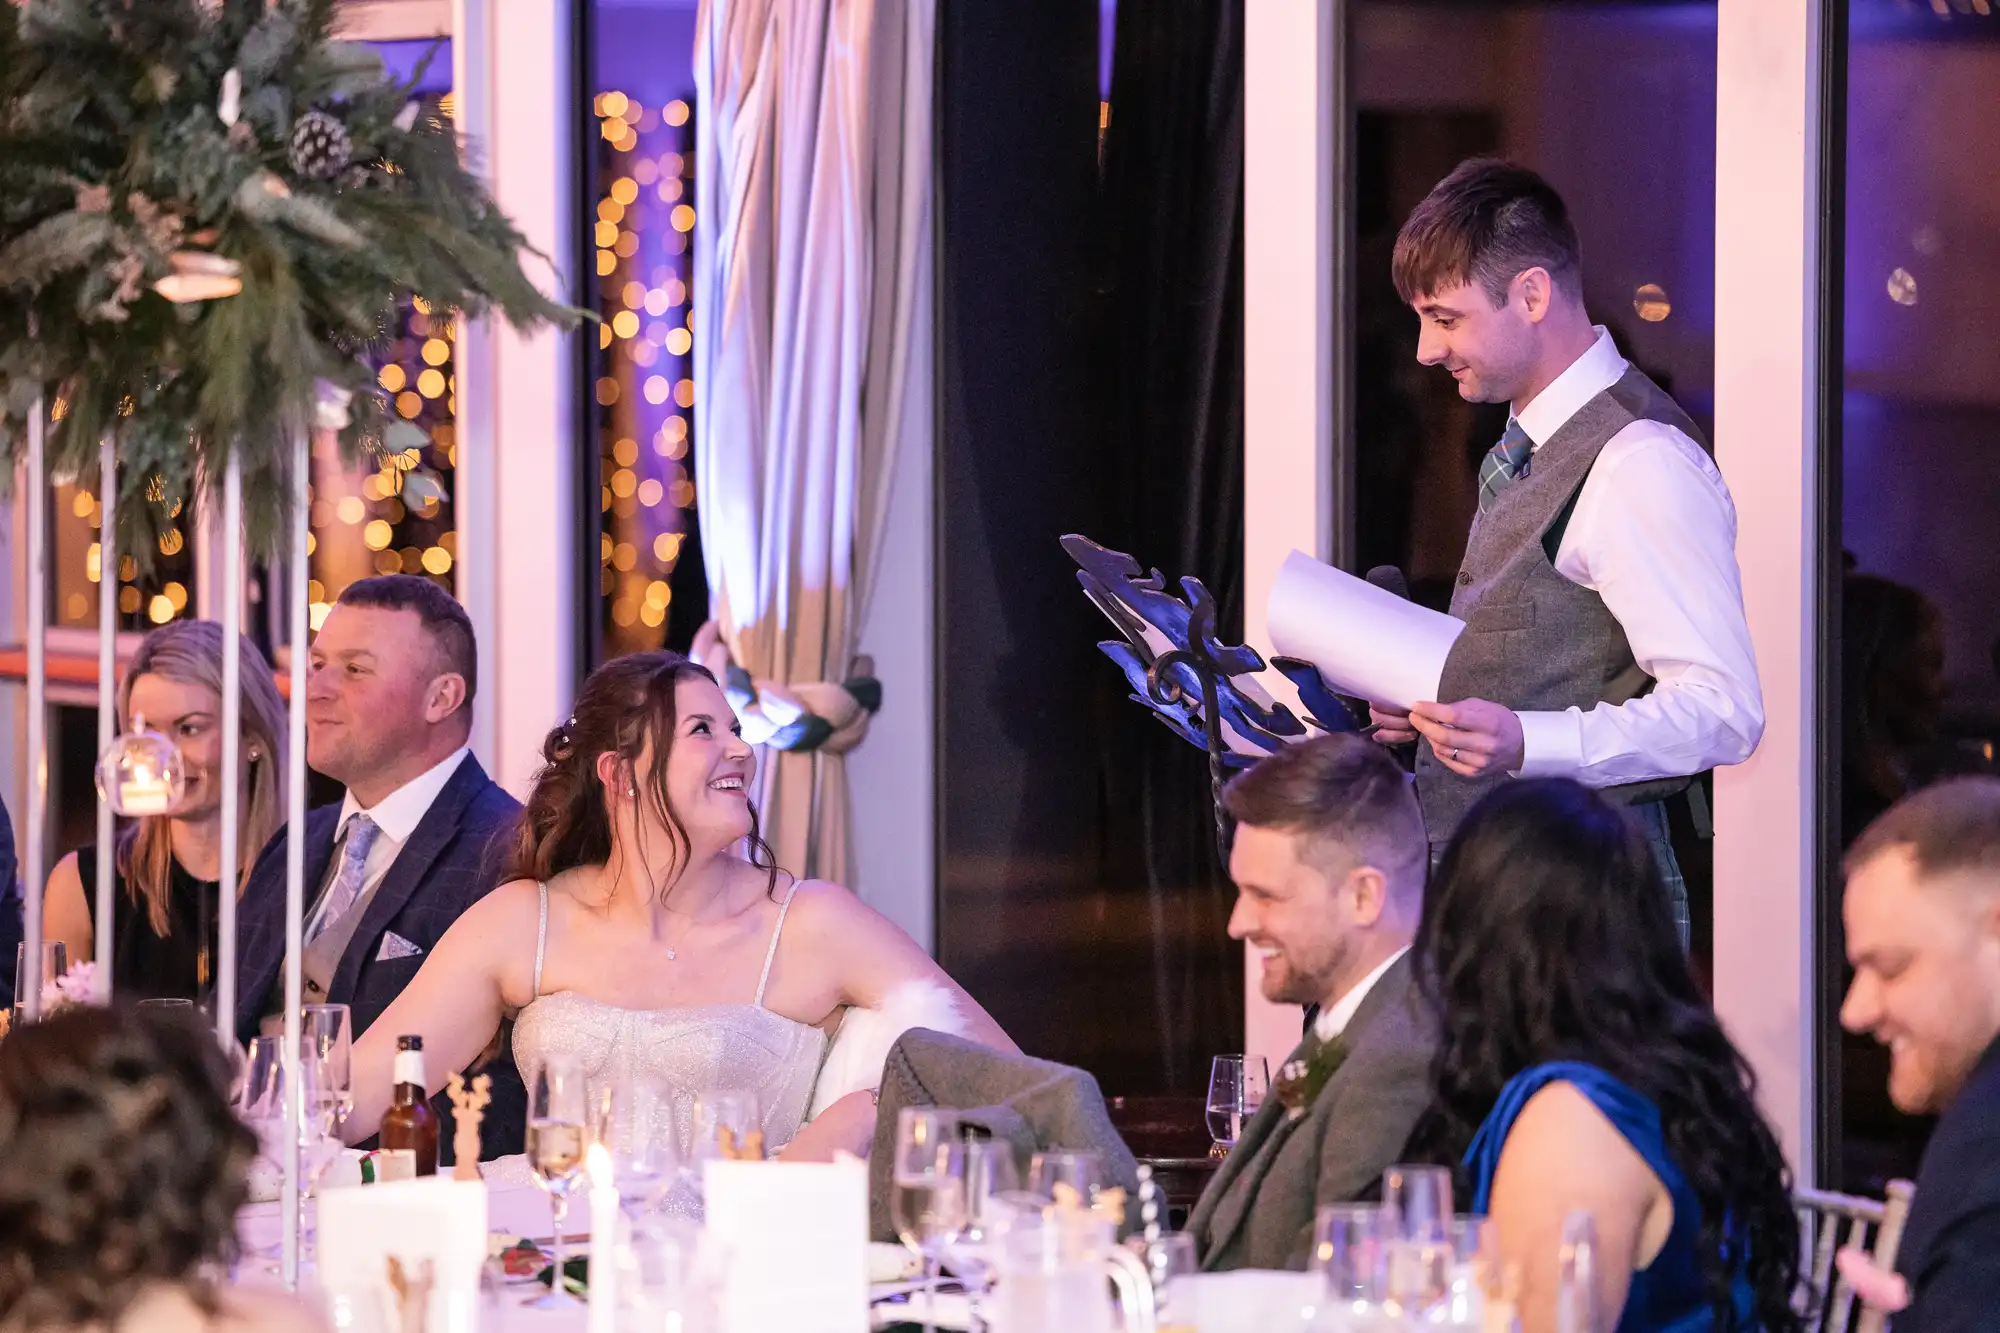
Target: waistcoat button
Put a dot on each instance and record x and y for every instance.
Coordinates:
(1465, 580)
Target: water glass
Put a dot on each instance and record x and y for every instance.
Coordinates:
(55, 961)
(558, 1130)
(1237, 1086)
(1080, 1171)
(1169, 1258)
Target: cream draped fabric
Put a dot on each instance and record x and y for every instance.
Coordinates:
(813, 315)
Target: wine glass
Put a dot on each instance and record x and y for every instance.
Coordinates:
(326, 1034)
(558, 1110)
(735, 1110)
(927, 1198)
(1418, 1200)
(1080, 1171)
(991, 1173)
(1237, 1085)
(1351, 1253)
(636, 1127)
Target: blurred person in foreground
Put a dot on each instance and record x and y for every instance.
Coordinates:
(122, 1169)
(1922, 914)
(1579, 1068)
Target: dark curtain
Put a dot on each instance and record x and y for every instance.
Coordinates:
(1171, 408)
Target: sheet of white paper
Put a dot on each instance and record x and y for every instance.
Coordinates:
(434, 1222)
(1245, 1301)
(795, 1237)
(1366, 642)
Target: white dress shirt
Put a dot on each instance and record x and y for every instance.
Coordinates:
(1333, 1019)
(397, 816)
(1653, 534)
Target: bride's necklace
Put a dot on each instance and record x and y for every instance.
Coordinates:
(673, 950)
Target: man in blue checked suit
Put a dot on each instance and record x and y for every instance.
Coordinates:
(418, 839)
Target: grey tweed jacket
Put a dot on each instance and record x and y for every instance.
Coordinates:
(1258, 1210)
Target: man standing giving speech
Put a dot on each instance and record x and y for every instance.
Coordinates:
(1604, 632)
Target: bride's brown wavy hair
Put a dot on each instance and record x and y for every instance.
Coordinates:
(566, 822)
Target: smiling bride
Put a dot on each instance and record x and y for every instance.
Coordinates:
(642, 928)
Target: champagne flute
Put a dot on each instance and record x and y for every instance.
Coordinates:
(1237, 1085)
(1351, 1254)
(927, 1198)
(558, 1108)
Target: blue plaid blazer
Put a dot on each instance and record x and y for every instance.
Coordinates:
(451, 861)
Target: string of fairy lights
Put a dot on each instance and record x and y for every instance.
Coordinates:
(643, 386)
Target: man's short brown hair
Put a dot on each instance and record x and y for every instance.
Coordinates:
(1342, 790)
(444, 620)
(1951, 827)
(1485, 224)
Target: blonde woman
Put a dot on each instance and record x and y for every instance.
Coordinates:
(164, 910)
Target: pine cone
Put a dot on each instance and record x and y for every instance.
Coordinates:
(321, 148)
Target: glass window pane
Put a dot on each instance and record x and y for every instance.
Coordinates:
(640, 132)
(1920, 491)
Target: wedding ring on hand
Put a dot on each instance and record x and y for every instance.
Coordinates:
(1454, 754)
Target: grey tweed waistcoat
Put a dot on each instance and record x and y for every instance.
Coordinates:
(1533, 640)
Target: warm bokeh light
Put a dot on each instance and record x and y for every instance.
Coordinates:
(377, 534)
(625, 324)
(676, 112)
(431, 383)
(351, 509)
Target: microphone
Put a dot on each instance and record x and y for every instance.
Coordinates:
(1390, 579)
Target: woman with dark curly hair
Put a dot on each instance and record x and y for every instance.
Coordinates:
(1578, 1067)
(121, 1170)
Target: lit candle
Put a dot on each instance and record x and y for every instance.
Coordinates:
(604, 1215)
(145, 793)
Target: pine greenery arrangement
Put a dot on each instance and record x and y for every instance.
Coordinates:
(157, 149)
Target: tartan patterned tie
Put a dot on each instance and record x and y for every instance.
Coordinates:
(361, 834)
(1504, 464)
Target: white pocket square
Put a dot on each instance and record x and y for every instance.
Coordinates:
(395, 946)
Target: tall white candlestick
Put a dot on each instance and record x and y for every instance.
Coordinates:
(604, 1215)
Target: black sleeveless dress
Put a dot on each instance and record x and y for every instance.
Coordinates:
(144, 964)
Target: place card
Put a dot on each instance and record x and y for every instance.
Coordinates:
(404, 1255)
(793, 1239)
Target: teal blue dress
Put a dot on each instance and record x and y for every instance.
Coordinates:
(1667, 1296)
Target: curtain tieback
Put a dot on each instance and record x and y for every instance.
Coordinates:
(820, 715)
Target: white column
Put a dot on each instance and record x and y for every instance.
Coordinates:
(1292, 51)
(532, 463)
(473, 368)
(1766, 326)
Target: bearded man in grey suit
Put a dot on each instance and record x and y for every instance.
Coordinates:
(1329, 864)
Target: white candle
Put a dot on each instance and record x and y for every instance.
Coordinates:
(604, 1215)
(142, 797)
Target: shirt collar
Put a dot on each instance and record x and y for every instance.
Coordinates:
(1589, 375)
(1333, 1019)
(399, 813)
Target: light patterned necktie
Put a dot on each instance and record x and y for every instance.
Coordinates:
(1504, 464)
(361, 834)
